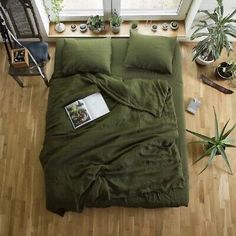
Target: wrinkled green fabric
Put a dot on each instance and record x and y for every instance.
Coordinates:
(128, 157)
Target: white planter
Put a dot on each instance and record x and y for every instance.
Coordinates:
(60, 27)
(203, 62)
(115, 29)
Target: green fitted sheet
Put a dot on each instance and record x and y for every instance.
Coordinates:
(55, 131)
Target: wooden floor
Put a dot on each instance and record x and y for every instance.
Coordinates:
(212, 206)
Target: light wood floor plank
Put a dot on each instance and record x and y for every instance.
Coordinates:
(212, 203)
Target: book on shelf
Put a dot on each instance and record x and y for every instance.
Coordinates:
(85, 110)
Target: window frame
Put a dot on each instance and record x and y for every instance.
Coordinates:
(109, 5)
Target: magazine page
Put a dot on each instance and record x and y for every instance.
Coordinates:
(78, 113)
(96, 105)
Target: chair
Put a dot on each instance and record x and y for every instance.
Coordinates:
(21, 25)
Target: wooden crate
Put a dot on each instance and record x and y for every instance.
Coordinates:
(21, 63)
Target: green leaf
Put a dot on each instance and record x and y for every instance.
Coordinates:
(211, 16)
(198, 142)
(213, 153)
(198, 35)
(200, 158)
(206, 153)
(228, 17)
(229, 145)
(228, 132)
(223, 130)
(216, 125)
(201, 136)
(223, 154)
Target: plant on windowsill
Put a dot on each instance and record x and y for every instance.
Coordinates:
(56, 8)
(215, 29)
(96, 23)
(115, 22)
(214, 146)
(134, 25)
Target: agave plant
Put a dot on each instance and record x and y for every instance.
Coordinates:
(216, 145)
(215, 30)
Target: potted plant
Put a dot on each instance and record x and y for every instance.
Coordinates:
(56, 9)
(215, 31)
(134, 25)
(216, 145)
(226, 70)
(115, 22)
(154, 27)
(96, 23)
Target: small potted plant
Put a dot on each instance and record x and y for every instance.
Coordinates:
(215, 30)
(174, 25)
(56, 9)
(134, 25)
(96, 23)
(154, 27)
(226, 70)
(216, 145)
(83, 27)
(115, 22)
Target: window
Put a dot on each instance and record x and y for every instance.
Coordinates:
(80, 9)
(129, 9)
(154, 9)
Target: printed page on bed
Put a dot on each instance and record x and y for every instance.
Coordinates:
(87, 109)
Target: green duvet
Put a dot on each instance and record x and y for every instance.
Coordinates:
(130, 157)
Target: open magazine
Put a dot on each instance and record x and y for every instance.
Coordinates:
(87, 109)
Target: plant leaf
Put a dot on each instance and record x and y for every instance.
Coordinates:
(223, 130)
(201, 136)
(228, 132)
(229, 145)
(213, 153)
(210, 15)
(216, 125)
(207, 153)
(198, 142)
(201, 157)
(228, 17)
(223, 154)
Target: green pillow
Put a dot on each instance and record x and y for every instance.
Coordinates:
(86, 55)
(150, 52)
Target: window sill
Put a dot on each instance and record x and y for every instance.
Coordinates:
(144, 27)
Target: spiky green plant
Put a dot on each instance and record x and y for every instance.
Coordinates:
(215, 30)
(216, 145)
(115, 19)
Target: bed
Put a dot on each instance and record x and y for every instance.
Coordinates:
(135, 156)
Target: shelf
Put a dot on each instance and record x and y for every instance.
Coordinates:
(144, 27)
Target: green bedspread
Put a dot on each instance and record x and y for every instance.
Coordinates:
(129, 157)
